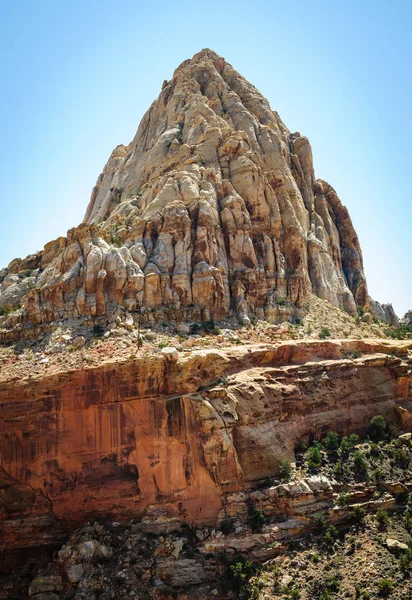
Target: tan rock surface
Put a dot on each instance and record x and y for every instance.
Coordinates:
(212, 209)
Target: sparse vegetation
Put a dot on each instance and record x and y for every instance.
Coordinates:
(360, 466)
(324, 333)
(382, 518)
(285, 470)
(256, 518)
(115, 240)
(358, 514)
(227, 525)
(314, 458)
(385, 587)
(331, 441)
(402, 332)
(377, 429)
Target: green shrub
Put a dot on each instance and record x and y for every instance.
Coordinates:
(239, 573)
(405, 561)
(339, 471)
(320, 521)
(331, 441)
(377, 429)
(285, 470)
(330, 537)
(254, 594)
(333, 583)
(266, 483)
(377, 475)
(385, 587)
(256, 518)
(402, 332)
(280, 301)
(382, 518)
(314, 457)
(226, 525)
(348, 443)
(293, 545)
(115, 240)
(360, 466)
(358, 514)
(401, 458)
(342, 499)
(324, 333)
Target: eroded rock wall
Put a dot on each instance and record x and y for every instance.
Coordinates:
(166, 438)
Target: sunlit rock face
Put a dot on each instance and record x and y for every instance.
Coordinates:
(212, 209)
(161, 438)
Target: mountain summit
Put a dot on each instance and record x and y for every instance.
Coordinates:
(212, 209)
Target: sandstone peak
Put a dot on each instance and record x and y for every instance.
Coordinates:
(212, 209)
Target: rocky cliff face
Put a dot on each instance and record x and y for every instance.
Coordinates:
(212, 209)
(170, 438)
(407, 319)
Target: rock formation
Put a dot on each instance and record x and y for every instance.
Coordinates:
(212, 209)
(407, 319)
(384, 312)
(211, 212)
(167, 437)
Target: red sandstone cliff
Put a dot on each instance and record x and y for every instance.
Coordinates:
(160, 439)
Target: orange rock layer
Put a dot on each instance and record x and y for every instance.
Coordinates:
(166, 437)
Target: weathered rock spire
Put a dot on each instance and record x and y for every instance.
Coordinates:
(212, 208)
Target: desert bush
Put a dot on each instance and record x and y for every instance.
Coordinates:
(238, 574)
(331, 441)
(330, 537)
(324, 333)
(358, 514)
(320, 521)
(385, 587)
(314, 457)
(342, 499)
(377, 429)
(382, 518)
(285, 470)
(377, 475)
(226, 525)
(360, 466)
(256, 518)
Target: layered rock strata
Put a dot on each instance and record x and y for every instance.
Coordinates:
(166, 438)
(212, 209)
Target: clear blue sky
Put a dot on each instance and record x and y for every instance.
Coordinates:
(78, 75)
